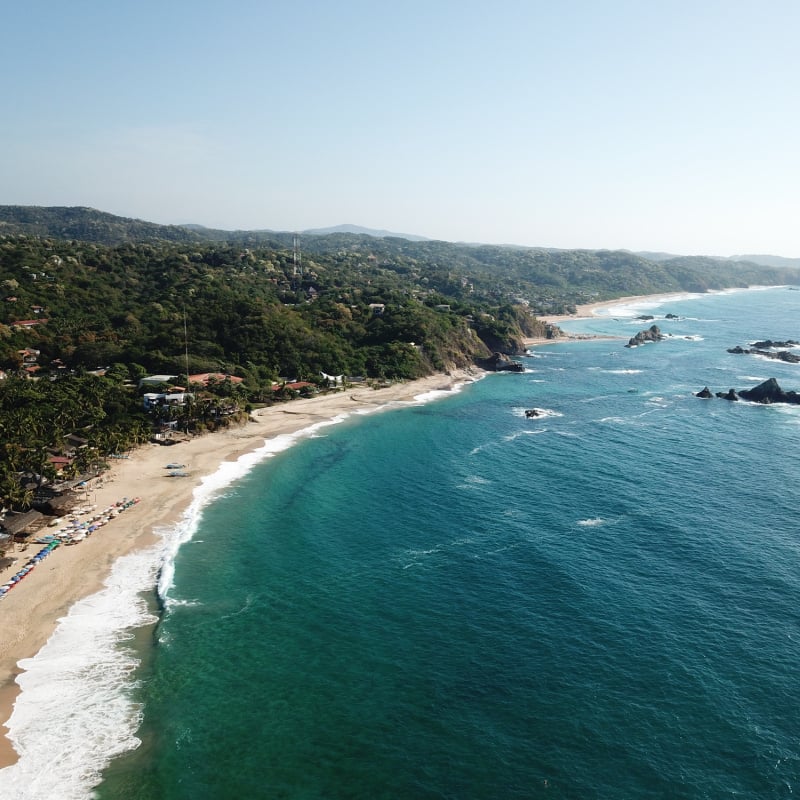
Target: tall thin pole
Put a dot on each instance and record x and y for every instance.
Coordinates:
(186, 345)
(297, 259)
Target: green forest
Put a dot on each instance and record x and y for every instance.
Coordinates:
(91, 303)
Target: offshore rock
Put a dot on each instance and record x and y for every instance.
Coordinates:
(757, 350)
(770, 343)
(652, 334)
(769, 392)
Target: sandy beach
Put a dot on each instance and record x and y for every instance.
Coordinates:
(588, 310)
(31, 611)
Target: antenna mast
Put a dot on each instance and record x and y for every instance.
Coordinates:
(297, 258)
(185, 345)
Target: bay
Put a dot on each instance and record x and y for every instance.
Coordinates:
(451, 600)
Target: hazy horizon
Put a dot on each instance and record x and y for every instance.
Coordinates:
(665, 128)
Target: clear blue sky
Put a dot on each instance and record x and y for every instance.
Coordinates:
(567, 123)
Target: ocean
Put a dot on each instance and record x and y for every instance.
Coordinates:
(448, 599)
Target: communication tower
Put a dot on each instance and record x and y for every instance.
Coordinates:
(297, 260)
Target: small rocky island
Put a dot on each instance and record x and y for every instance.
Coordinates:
(652, 334)
(767, 392)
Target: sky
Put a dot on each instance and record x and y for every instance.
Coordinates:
(665, 126)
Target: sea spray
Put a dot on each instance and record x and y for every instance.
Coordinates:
(75, 711)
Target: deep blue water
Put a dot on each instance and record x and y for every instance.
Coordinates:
(450, 600)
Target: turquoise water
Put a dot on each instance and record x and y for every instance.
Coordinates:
(450, 600)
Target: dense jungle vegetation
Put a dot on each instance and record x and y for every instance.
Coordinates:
(84, 291)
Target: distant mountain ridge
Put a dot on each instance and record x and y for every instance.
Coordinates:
(89, 224)
(361, 231)
(769, 261)
(761, 260)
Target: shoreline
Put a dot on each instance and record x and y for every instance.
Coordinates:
(30, 614)
(588, 311)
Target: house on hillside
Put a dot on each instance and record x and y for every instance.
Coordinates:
(73, 443)
(154, 399)
(60, 463)
(29, 356)
(27, 323)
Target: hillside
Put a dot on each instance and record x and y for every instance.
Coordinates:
(91, 303)
(87, 224)
(89, 289)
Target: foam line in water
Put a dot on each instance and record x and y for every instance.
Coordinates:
(75, 711)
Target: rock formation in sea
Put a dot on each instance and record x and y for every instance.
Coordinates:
(652, 334)
(767, 392)
(758, 349)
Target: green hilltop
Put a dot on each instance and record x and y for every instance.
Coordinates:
(91, 303)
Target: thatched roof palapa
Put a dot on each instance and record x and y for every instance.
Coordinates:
(14, 524)
(62, 503)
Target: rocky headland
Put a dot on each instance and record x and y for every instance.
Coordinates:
(500, 362)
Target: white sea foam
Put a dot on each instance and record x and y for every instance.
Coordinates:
(592, 522)
(473, 482)
(634, 308)
(527, 432)
(623, 371)
(438, 394)
(75, 711)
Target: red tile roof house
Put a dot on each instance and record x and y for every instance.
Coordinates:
(27, 323)
(28, 355)
(59, 462)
